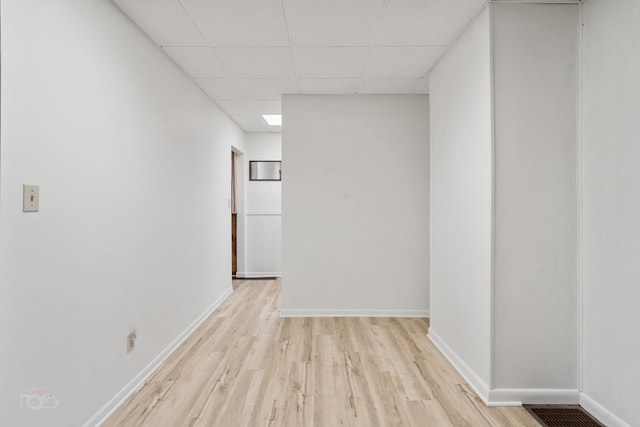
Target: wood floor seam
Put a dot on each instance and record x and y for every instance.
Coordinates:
(247, 366)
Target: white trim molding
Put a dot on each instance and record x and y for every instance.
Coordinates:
(139, 380)
(257, 274)
(476, 383)
(603, 415)
(503, 396)
(263, 213)
(533, 396)
(352, 313)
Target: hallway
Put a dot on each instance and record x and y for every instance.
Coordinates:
(246, 366)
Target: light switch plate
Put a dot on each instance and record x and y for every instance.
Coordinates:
(30, 198)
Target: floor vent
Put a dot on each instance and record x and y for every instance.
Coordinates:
(562, 416)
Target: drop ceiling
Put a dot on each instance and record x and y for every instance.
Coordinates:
(245, 54)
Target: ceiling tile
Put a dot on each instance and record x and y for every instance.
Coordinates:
(388, 86)
(333, 22)
(251, 122)
(420, 22)
(326, 62)
(268, 106)
(267, 88)
(402, 62)
(329, 86)
(164, 21)
(237, 106)
(221, 88)
(240, 22)
(242, 54)
(198, 62)
(257, 62)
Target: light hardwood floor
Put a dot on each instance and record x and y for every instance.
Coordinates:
(246, 366)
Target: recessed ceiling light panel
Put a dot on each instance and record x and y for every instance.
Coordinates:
(273, 119)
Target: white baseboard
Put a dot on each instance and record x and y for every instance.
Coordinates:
(263, 213)
(481, 389)
(603, 415)
(504, 396)
(139, 380)
(353, 313)
(533, 396)
(257, 274)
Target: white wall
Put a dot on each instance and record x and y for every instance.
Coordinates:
(133, 165)
(355, 205)
(504, 203)
(611, 208)
(535, 56)
(263, 220)
(461, 184)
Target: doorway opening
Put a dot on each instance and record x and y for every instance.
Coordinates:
(237, 212)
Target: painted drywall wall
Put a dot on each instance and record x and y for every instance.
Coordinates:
(461, 185)
(535, 74)
(263, 219)
(133, 165)
(611, 208)
(355, 203)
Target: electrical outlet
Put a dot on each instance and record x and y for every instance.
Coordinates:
(131, 340)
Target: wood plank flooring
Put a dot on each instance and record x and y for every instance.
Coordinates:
(246, 366)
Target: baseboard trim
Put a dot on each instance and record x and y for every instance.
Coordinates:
(139, 380)
(533, 396)
(353, 313)
(263, 213)
(504, 396)
(257, 274)
(481, 389)
(603, 415)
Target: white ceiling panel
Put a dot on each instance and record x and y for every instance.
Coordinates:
(267, 88)
(258, 62)
(237, 106)
(240, 22)
(389, 86)
(267, 106)
(221, 88)
(329, 86)
(164, 21)
(250, 111)
(333, 22)
(402, 62)
(330, 62)
(252, 123)
(426, 22)
(198, 62)
(246, 53)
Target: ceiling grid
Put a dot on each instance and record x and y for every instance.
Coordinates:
(245, 54)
